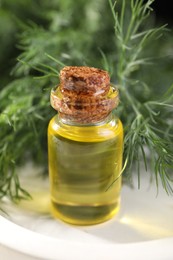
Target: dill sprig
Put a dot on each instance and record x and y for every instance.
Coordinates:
(145, 120)
(22, 113)
(123, 45)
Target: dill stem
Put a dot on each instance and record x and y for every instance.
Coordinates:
(126, 93)
(130, 27)
(132, 104)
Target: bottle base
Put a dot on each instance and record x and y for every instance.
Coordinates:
(84, 214)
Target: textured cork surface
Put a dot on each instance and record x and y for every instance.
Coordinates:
(84, 80)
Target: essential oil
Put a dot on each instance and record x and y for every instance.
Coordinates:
(85, 146)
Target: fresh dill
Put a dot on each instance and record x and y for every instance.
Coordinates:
(124, 44)
(144, 123)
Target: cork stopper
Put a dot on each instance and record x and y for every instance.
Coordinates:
(84, 95)
(84, 81)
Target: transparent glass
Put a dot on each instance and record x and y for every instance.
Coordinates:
(84, 162)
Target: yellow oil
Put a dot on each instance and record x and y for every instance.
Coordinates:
(83, 163)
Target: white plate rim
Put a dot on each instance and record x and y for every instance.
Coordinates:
(49, 248)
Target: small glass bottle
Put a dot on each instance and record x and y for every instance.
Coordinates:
(85, 145)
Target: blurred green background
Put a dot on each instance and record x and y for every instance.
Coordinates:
(78, 28)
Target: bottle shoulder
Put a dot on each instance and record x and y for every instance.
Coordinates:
(86, 133)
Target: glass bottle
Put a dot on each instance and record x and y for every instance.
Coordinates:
(85, 145)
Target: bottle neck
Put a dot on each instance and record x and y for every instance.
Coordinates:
(72, 122)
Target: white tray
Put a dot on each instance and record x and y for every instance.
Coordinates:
(143, 229)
